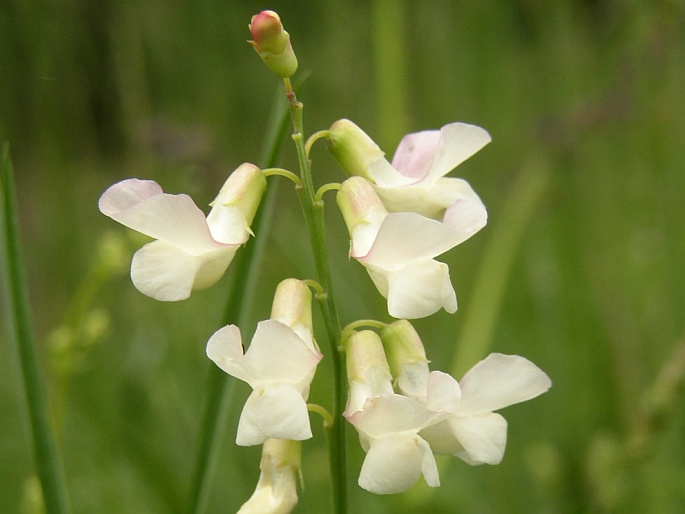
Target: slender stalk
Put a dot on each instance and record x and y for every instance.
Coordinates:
(44, 446)
(313, 214)
(220, 388)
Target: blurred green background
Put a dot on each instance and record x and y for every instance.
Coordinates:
(580, 268)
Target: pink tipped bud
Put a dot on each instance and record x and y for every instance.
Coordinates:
(272, 43)
(267, 31)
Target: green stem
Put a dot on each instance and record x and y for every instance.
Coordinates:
(45, 448)
(220, 389)
(313, 214)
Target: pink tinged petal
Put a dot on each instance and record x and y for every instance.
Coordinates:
(458, 142)
(405, 237)
(414, 155)
(390, 413)
(499, 381)
(483, 437)
(394, 463)
(419, 290)
(443, 392)
(165, 272)
(277, 412)
(278, 354)
(126, 194)
(175, 219)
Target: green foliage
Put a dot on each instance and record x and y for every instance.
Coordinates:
(591, 93)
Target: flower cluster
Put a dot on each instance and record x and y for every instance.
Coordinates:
(404, 413)
(400, 215)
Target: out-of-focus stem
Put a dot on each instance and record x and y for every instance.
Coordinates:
(44, 445)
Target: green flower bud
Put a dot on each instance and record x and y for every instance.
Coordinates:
(406, 357)
(368, 374)
(354, 150)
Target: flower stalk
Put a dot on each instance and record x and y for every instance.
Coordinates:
(313, 214)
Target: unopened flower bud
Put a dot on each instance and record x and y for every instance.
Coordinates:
(368, 374)
(407, 358)
(276, 491)
(354, 150)
(244, 189)
(292, 306)
(272, 43)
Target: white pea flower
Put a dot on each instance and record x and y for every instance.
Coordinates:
(191, 251)
(279, 365)
(471, 430)
(388, 424)
(397, 251)
(415, 180)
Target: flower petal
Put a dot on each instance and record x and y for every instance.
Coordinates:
(164, 272)
(414, 155)
(458, 142)
(383, 174)
(213, 265)
(443, 393)
(419, 290)
(394, 463)
(405, 237)
(441, 439)
(227, 224)
(390, 413)
(412, 380)
(429, 467)
(465, 213)
(430, 203)
(225, 349)
(278, 412)
(175, 219)
(500, 380)
(278, 354)
(483, 436)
